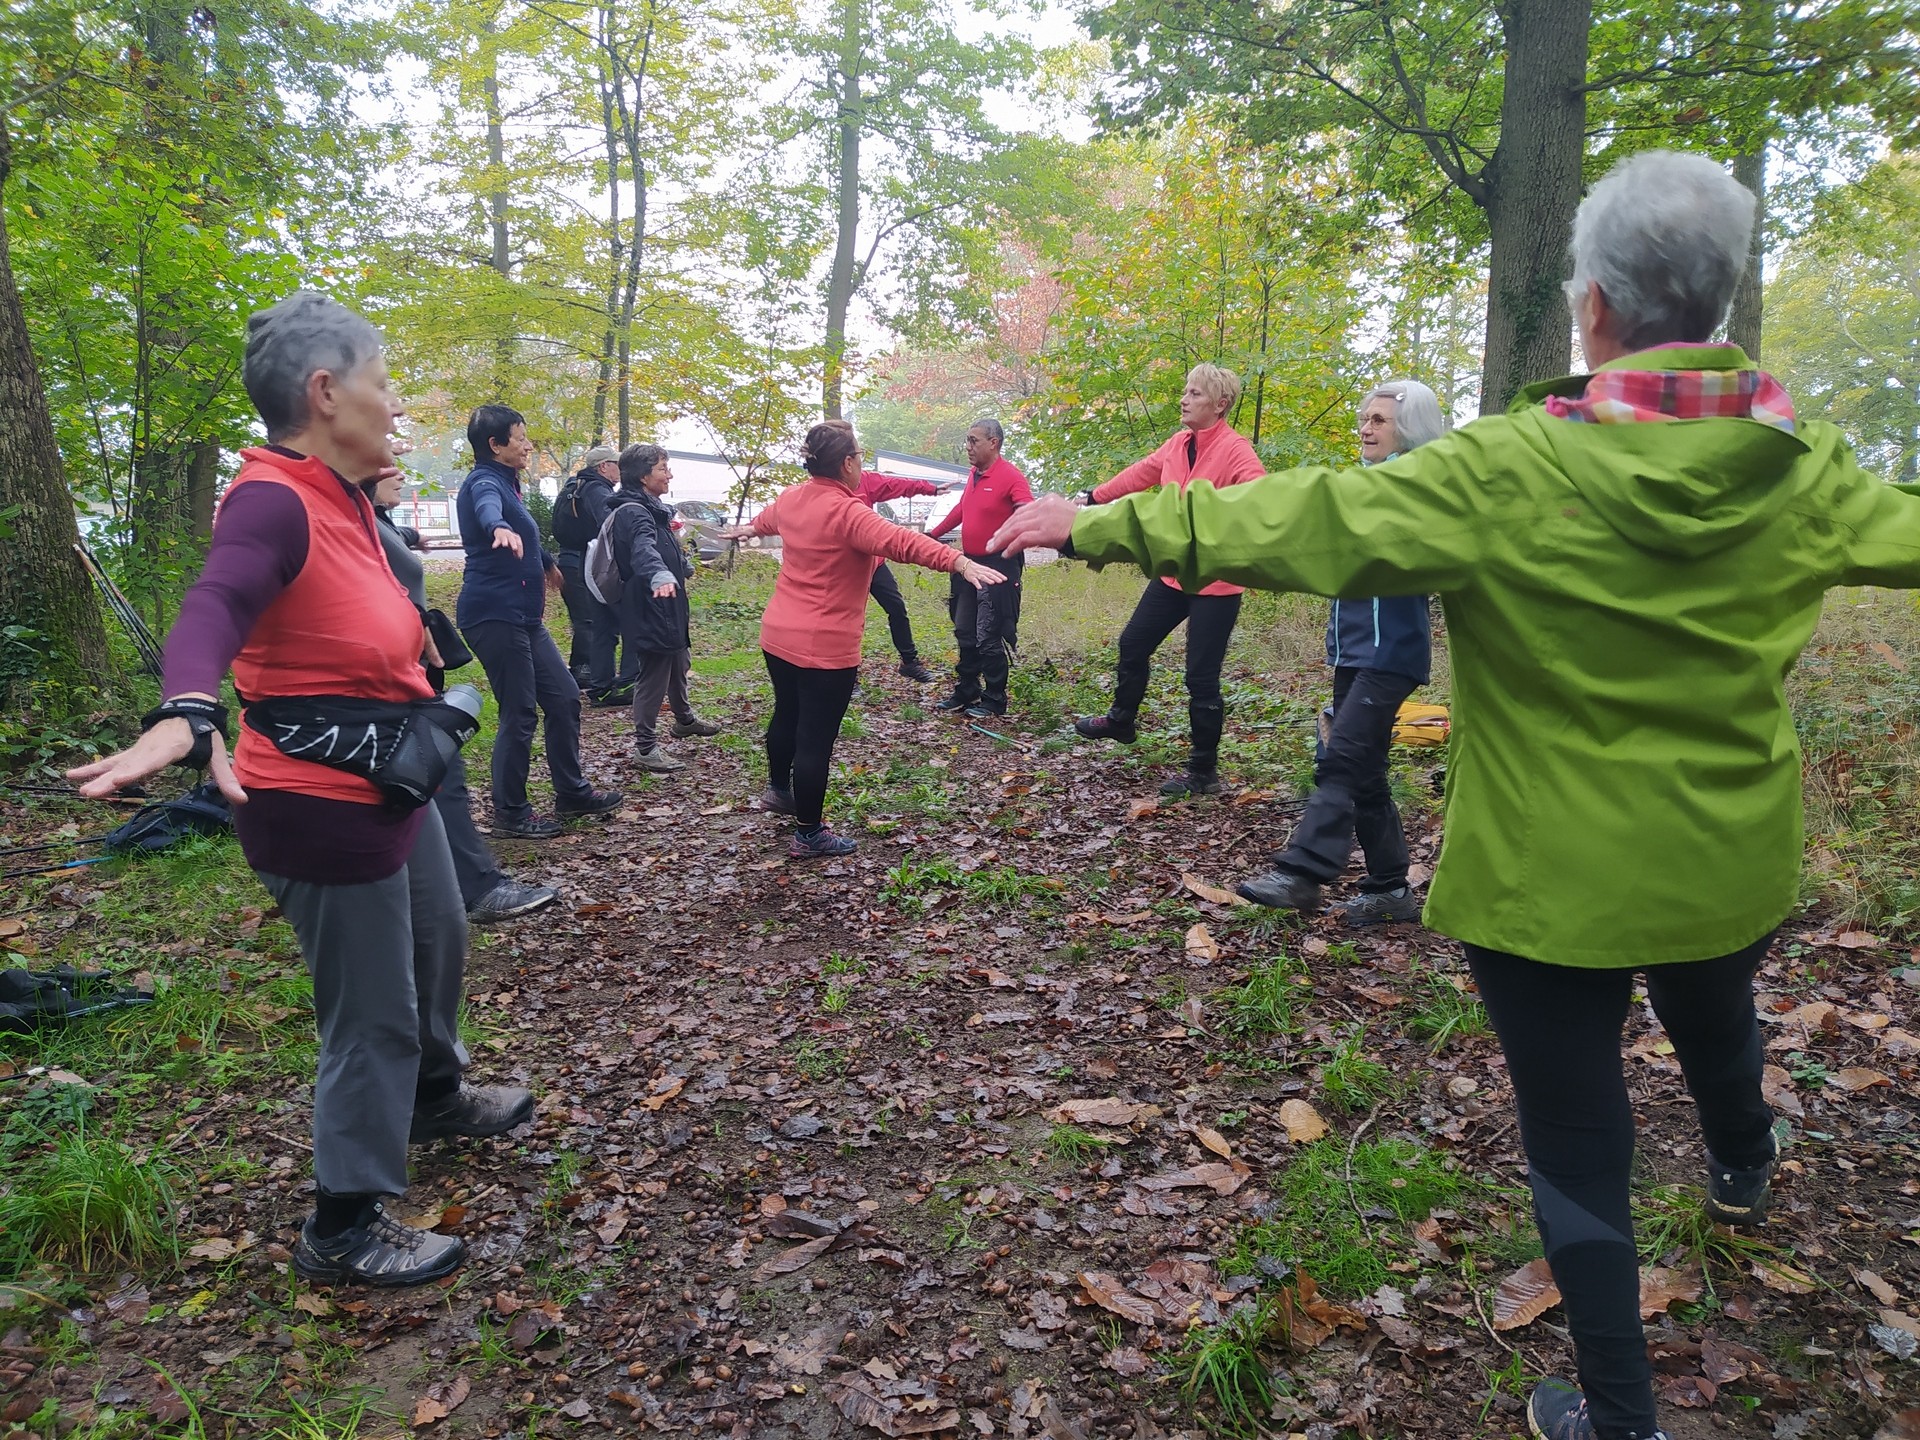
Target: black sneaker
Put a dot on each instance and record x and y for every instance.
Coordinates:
(1281, 890)
(986, 710)
(780, 802)
(823, 845)
(378, 1251)
(682, 729)
(594, 802)
(611, 698)
(531, 827)
(1105, 727)
(475, 1111)
(508, 899)
(958, 700)
(1188, 783)
(1741, 1197)
(1558, 1411)
(915, 671)
(1384, 907)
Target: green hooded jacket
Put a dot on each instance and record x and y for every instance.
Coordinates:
(1623, 602)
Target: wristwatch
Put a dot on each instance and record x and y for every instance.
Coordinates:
(1084, 497)
(205, 718)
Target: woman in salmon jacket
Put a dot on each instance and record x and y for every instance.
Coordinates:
(1205, 447)
(811, 632)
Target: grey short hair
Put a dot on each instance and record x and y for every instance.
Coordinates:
(638, 461)
(288, 342)
(1417, 418)
(994, 432)
(1665, 236)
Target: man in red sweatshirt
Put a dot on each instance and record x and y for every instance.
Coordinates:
(983, 620)
(876, 489)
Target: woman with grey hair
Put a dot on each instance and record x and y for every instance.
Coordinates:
(1630, 561)
(1380, 651)
(298, 599)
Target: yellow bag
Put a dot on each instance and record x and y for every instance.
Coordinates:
(1421, 727)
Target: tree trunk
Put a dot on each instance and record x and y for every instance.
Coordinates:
(840, 279)
(637, 162)
(609, 78)
(43, 586)
(1744, 319)
(1532, 190)
(502, 259)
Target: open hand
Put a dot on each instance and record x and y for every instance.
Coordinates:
(1046, 524)
(663, 592)
(978, 575)
(505, 537)
(165, 744)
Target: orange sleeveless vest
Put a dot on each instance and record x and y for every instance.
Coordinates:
(343, 627)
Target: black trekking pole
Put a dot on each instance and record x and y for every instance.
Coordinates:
(122, 608)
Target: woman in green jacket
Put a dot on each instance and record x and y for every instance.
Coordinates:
(1629, 563)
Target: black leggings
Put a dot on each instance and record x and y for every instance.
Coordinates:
(808, 706)
(886, 589)
(1560, 1028)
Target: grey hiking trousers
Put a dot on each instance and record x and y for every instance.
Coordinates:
(387, 961)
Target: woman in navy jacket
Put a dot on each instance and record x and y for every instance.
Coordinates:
(1380, 651)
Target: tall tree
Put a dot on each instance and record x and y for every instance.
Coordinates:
(1476, 119)
(895, 103)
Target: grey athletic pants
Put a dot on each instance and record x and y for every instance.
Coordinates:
(663, 676)
(387, 960)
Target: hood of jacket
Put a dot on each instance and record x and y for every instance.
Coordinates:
(1684, 488)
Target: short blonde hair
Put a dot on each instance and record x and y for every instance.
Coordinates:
(1217, 381)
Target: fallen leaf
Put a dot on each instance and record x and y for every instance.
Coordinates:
(1108, 1293)
(1200, 944)
(1876, 1287)
(1221, 1179)
(1141, 808)
(1214, 1141)
(1887, 653)
(808, 1354)
(1776, 1275)
(1303, 1123)
(1525, 1296)
(10, 926)
(1776, 1088)
(1212, 893)
(1900, 1320)
(663, 1090)
(443, 1397)
(1689, 1392)
(1660, 1287)
(1903, 1426)
(1108, 1111)
(796, 1257)
(1856, 1078)
(1857, 940)
(1125, 1360)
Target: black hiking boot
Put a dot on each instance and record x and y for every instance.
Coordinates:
(1187, 783)
(378, 1251)
(1282, 890)
(1741, 1197)
(1105, 727)
(1382, 907)
(958, 700)
(473, 1111)
(916, 672)
(1558, 1411)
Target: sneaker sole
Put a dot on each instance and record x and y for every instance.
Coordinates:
(1752, 1217)
(315, 1270)
(515, 913)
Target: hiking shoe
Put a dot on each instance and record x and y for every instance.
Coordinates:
(780, 802)
(657, 760)
(985, 710)
(508, 899)
(1282, 890)
(1741, 1197)
(914, 670)
(1105, 727)
(532, 827)
(1383, 907)
(696, 726)
(958, 700)
(1189, 783)
(378, 1251)
(611, 698)
(1558, 1411)
(475, 1111)
(822, 845)
(594, 802)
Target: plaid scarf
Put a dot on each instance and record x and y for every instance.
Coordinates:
(1616, 397)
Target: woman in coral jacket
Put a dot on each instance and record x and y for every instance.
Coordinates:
(1205, 447)
(811, 632)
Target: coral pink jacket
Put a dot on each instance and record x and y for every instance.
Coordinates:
(830, 544)
(1221, 454)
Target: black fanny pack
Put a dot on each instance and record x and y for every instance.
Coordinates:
(404, 748)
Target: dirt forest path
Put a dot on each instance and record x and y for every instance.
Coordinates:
(958, 1136)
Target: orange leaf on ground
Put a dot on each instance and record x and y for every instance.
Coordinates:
(1141, 808)
(1303, 1122)
(1525, 1296)
(1660, 1287)
(441, 1400)
(1200, 944)
(1108, 1293)
(664, 1089)
(1776, 1088)
(1876, 1287)
(1211, 892)
(1221, 1179)
(1855, 1078)
(1214, 1141)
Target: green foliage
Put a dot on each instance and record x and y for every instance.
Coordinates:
(1072, 1146)
(1220, 1370)
(82, 1199)
(1261, 1006)
(1351, 1078)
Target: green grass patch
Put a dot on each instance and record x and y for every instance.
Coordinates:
(1070, 1145)
(1221, 1374)
(85, 1200)
(1263, 1005)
